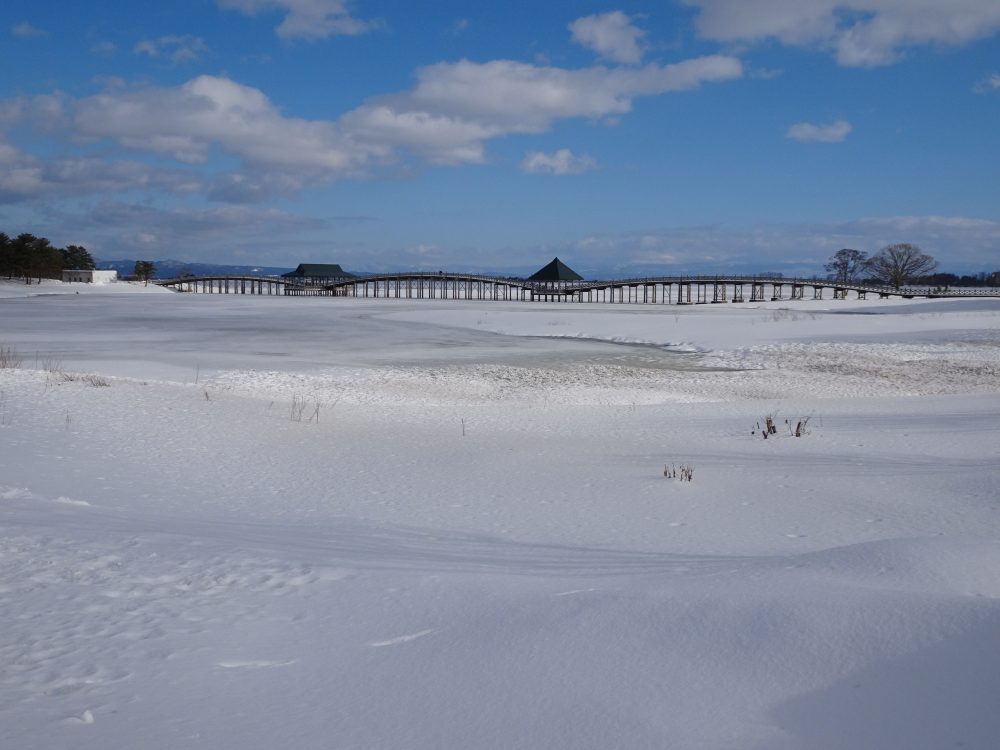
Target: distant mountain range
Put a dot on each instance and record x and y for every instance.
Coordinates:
(172, 269)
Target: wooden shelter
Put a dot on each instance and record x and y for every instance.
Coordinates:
(318, 273)
(554, 275)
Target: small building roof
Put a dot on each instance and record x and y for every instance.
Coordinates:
(318, 271)
(555, 271)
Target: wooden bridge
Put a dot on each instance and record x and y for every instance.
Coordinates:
(678, 290)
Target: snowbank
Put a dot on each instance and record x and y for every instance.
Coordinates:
(10, 288)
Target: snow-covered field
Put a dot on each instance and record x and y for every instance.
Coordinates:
(242, 522)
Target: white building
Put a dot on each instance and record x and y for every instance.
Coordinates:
(90, 277)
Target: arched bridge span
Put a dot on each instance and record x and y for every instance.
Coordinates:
(682, 290)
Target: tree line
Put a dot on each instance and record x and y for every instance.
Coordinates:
(898, 265)
(35, 258)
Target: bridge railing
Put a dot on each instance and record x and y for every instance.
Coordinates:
(585, 285)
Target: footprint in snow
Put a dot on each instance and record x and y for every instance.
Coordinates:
(574, 591)
(72, 501)
(85, 718)
(401, 639)
(66, 687)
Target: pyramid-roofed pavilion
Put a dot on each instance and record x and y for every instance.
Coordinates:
(556, 271)
(319, 272)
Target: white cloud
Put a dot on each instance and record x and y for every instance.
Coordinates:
(455, 107)
(519, 97)
(185, 122)
(441, 138)
(25, 30)
(447, 118)
(306, 19)
(25, 176)
(561, 162)
(611, 35)
(858, 32)
(932, 230)
(807, 132)
(988, 84)
(46, 112)
(177, 49)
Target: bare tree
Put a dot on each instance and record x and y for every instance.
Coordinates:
(846, 265)
(898, 264)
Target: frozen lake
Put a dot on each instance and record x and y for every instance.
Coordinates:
(300, 333)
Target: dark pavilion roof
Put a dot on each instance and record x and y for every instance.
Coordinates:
(318, 271)
(555, 271)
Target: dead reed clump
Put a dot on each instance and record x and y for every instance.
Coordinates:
(800, 428)
(767, 429)
(298, 413)
(86, 378)
(684, 472)
(796, 427)
(9, 358)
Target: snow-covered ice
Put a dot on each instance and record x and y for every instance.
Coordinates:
(250, 522)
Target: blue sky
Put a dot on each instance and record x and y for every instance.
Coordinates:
(626, 138)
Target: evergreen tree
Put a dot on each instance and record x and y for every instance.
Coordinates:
(6, 256)
(144, 270)
(76, 258)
